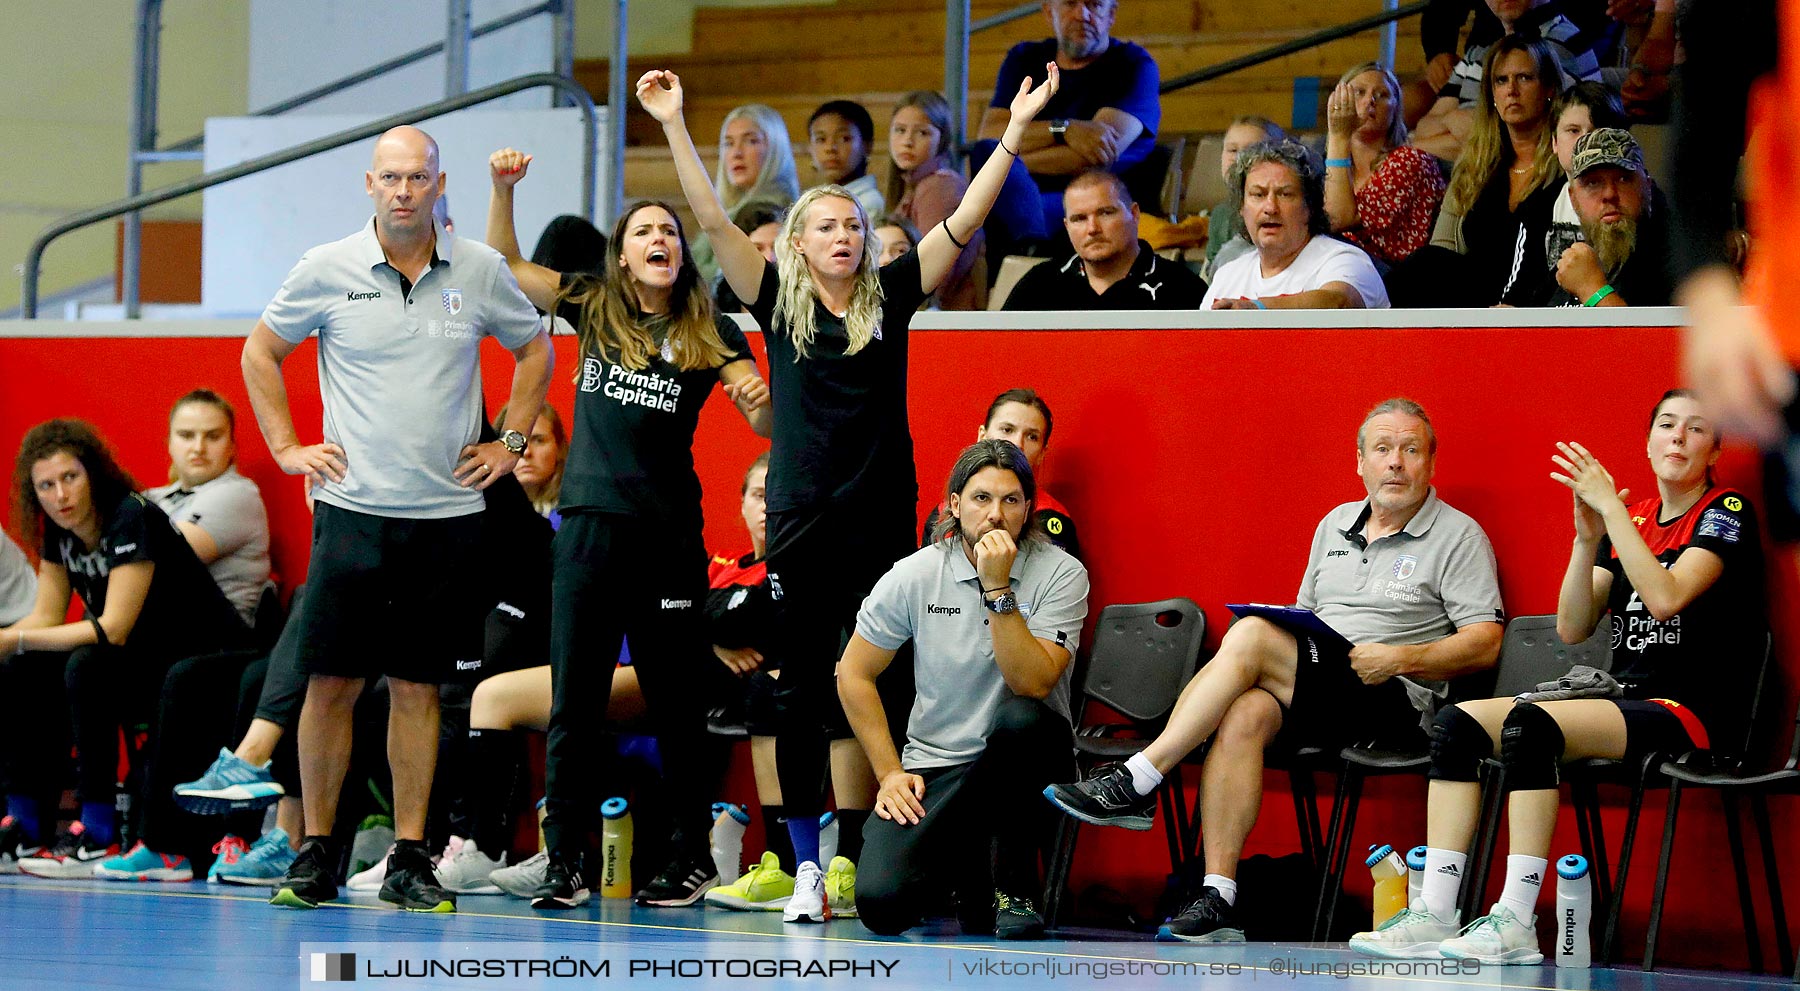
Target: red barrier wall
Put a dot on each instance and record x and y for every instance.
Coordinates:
(1197, 462)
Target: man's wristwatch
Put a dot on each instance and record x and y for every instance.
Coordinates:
(1003, 604)
(1059, 129)
(513, 441)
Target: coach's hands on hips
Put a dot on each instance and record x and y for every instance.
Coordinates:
(320, 462)
(482, 463)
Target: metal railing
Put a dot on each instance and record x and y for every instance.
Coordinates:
(132, 204)
(1300, 44)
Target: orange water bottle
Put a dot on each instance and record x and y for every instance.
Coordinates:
(615, 849)
(1389, 872)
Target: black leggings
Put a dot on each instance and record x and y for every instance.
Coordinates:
(822, 563)
(617, 577)
(85, 697)
(196, 715)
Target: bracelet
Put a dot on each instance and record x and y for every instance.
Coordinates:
(1595, 299)
(959, 244)
(997, 588)
(1337, 163)
(1259, 304)
(1002, 143)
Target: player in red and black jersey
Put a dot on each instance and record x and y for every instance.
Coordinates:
(1022, 416)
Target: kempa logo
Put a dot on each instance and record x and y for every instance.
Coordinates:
(933, 609)
(468, 665)
(1568, 942)
(677, 603)
(353, 296)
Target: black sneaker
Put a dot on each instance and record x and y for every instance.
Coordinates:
(681, 883)
(1106, 799)
(563, 886)
(1206, 919)
(1016, 917)
(309, 879)
(413, 885)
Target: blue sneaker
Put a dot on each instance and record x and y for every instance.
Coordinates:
(231, 784)
(228, 852)
(145, 864)
(264, 864)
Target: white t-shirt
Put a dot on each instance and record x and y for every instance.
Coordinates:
(1323, 260)
(18, 583)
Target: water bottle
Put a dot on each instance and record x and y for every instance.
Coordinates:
(1415, 873)
(1390, 876)
(728, 840)
(1574, 909)
(615, 849)
(540, 814)
(828, 838)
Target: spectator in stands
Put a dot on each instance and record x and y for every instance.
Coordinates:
(219, 511)
(1622, 259)
(898, 236)
(1296, 264)
(925, 190)
(1022, 417)
(388, 589)
(570, 244)
(629, 557)
(991, 725)
(1440, 31)
(836, 328)
(1682, 573)
(761, 219)
(1381, 193)
(840, 134)
(1581, 108)
(1225, 228)
(1498, 206)
(1105, 116)
(1432, 615)
(1571, 54)
(540, 468)
(756, 162)
(18, 584)
(148, 601)
(1112, 268)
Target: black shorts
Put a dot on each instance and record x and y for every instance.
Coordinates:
(390, 596)
(1332, 708)
(1651, 727)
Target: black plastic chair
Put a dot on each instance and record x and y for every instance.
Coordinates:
(1530, 652)
(1137, 661)
(1694, 770)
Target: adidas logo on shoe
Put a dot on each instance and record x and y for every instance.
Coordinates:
(1450, 869)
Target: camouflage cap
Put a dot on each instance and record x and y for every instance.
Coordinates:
(1607, 146)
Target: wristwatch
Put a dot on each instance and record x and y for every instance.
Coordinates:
(1059, 128)
(1005, 603)
(513, 441)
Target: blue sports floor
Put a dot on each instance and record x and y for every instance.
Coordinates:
(67, 935)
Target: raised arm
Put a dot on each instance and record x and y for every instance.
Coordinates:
(937, 249)
(506, 167)
(659, 91)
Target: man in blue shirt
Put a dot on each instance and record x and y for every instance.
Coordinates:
(1105, 114)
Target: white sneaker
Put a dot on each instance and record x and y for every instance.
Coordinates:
(1414, 934)
(522, 880)
(808, 903)
(1497, 939)
(370, 880)
(468, 871)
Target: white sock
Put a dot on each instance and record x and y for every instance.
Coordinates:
(1226, 887)
(1524, 879)
(1443, 879)
(1144, 776)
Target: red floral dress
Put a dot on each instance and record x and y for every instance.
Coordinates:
(1397, 206)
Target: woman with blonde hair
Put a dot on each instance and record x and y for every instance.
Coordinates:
(842, 490)
(540, 468)
(1380, 192)
(756, 162)
(924, 188)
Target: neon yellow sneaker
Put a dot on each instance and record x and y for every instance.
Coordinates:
(840, 888)
(764, 888)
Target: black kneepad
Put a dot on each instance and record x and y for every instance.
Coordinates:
(1531, 747)
(1459, 743)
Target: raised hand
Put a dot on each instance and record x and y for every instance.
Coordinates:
(659, 91)
(507, 166)
(1340, 112)
(1029, 102)
(1592, 484)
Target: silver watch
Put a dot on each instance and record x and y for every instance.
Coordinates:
(513, 441)
(1006, 603)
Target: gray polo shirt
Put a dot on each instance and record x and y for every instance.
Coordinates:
(400, 372)
(230, 509)
(1419, 585)
(933, 598)
(18, 583)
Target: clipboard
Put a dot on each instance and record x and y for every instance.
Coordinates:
(1295, 619)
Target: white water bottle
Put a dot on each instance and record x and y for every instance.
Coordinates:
(1415, 874)
(828, 839)
(1574, 910)
(728, 840)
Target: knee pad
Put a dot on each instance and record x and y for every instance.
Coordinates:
(1531, 747)
(1459, 743)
